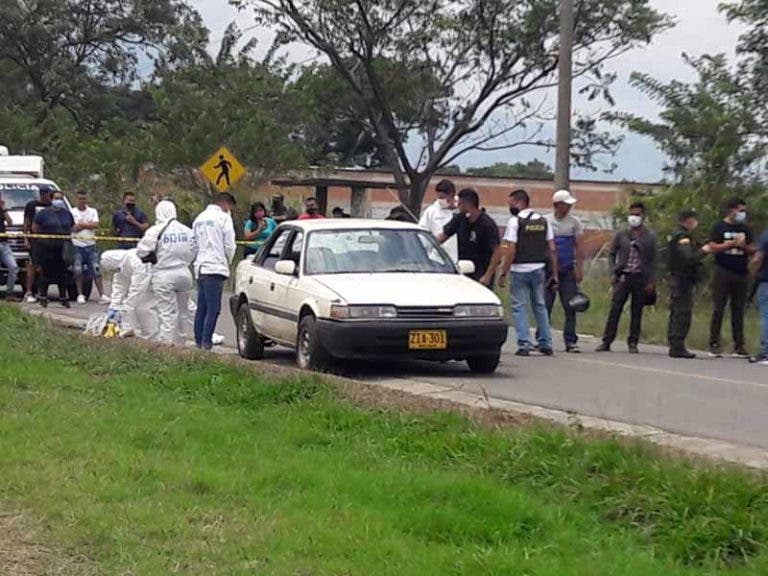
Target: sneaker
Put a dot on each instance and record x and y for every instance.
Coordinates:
(546, 351)
(715, 352)
(65, 303)
(30, 298)
(572, 349)
(603, 348)
(43, 302)
(522, 352)
(758, 358)
(81, 299)
(105, 299)
(633, 349)
(683, 353)
(740, 352)
(217, 339)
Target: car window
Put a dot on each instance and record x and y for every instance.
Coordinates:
(275, 249)
(375, 251)
(296, 244)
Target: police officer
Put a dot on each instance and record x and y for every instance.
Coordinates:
(685, 260)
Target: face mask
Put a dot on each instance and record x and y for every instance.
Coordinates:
(514, 210)
(635, 221)
(312, 210)
(59, 203)
(130, 206)
(443, 203)
(740, 216)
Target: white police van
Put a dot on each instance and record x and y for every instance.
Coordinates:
(22, 178)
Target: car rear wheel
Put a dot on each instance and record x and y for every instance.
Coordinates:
(310, 353)
(250, 344)
(484, 364)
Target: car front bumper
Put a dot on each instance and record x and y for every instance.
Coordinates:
(389, 339)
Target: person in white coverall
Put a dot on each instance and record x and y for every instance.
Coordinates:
(215, 236)
(438, 214)
(171, 280)
(131, 295)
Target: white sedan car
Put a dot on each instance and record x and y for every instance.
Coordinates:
(362, 290)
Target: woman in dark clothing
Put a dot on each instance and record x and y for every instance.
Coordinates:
(53, 220)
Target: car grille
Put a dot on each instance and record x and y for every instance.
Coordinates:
(424, 312)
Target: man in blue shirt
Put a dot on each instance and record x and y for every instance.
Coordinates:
(129, 222)
(759, 268)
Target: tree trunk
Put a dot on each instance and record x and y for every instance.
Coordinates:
(417, 191)
(358, 204)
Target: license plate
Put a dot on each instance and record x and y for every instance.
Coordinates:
(427, 340)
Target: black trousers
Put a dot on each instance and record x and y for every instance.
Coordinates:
(728, 286)
(680, 312)
(628, 285)
(567, 289)
(54, 270)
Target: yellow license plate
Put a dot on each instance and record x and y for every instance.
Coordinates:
(427, 340)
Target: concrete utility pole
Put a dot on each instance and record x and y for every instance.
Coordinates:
(563, 148)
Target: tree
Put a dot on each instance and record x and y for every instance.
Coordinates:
(531, 169)
(72, 53)
(709, 130)
(488, 57)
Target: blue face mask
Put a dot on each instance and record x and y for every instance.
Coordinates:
(59, 203)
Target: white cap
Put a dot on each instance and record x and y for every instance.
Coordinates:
(563, 196)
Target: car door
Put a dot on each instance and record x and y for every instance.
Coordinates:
(285, 290)
(265, 311)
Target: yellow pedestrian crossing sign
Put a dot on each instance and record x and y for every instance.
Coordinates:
(222, 169)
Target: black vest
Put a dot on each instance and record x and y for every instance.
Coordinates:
(531, 240)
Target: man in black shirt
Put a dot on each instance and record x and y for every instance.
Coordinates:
(476, 232)
(33, 265)
(732, 242)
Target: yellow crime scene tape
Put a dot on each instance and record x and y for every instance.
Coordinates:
(17, 235)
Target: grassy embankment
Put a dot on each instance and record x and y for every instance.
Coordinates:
(147, 463)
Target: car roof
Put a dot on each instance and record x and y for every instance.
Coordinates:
(349, 224)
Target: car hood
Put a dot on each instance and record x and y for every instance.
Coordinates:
(407, 289)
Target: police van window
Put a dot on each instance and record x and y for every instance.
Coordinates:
(276, 249)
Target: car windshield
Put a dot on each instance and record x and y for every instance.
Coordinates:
(375, 251)
(17, 195)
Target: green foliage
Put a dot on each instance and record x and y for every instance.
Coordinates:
(532, 169)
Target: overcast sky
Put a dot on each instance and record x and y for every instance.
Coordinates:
(700, 30)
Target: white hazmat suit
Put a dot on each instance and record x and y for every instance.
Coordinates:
(131, 295)
(171, 280)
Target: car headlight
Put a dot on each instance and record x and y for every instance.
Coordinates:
(341, 312)
(478, 311)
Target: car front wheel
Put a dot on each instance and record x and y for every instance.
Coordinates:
(250, 343)
(310, 353)
(484, 364)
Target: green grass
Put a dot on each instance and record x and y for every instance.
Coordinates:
(148, 463)
(655, 319)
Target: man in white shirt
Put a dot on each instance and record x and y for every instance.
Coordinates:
(215, 236)
(174, 248)
(83, 239)
(439, 213)
(528, 243)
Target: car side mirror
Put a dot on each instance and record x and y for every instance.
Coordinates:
(466, 267)
(286, 267)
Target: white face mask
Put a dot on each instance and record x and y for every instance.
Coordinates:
(740, 216)
(443, 203)
(635, 221)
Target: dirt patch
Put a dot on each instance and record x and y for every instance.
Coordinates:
(22, 552)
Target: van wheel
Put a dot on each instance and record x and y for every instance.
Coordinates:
(310, 353)
(250, 343)
(484, 364)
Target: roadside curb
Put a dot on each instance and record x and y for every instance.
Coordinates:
(751, 457)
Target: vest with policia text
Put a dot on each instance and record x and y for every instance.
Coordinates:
(531, 241)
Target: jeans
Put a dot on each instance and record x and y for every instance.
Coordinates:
(728, 286)
(8, 262)
(628, 285)
(87, 256)
(567, 289)
(762, 306)
(529, 287)
(210, 288)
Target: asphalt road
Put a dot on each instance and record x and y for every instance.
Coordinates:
(724, 399)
